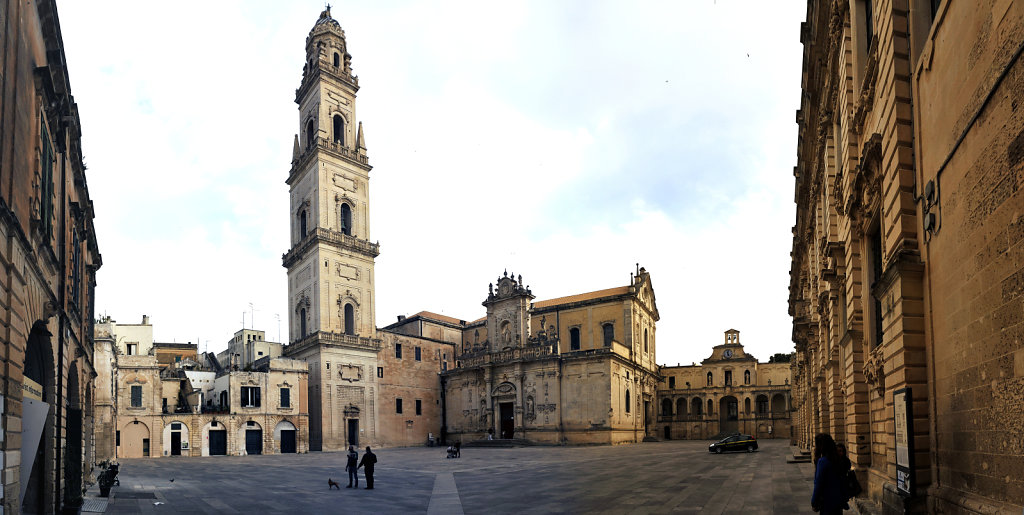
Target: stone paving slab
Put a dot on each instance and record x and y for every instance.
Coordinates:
(659, 477)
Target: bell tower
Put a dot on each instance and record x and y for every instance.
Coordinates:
(331, 259)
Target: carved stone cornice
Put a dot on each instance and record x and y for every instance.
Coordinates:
(333, 238)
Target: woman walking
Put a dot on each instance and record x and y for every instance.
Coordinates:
(829, 497)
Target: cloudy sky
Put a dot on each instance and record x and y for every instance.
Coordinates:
(561, 140)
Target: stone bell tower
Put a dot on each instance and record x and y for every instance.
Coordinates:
(331, 259)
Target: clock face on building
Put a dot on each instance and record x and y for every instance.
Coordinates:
(727, 353)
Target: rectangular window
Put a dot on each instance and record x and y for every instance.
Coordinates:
(398, 351)
(133, 349)
(286, 398)
(176, 425)
(117, 437)
(419, 407)
(875, 254)
(574, 338)
(419, 355)
(380, 371)
(46, 189)
(136, 396)
(328, 365)
(398, 405)
(250, 396)
(145, 446)
(869, 29)
(728, 378)
(671, 383)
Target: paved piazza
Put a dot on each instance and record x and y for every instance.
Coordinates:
(676, 476)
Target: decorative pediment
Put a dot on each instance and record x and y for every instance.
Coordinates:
(135, 379)
(350, 373)
(505, 388)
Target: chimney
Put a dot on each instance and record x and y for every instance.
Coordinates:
(145, 319)
(401, 318)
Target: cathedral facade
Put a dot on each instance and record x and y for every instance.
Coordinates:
(578, 369)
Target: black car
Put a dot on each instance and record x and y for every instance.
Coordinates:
(734, 443)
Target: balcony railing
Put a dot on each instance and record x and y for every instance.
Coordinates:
(348, 340)
(339, 239)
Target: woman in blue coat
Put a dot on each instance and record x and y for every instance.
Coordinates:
(829, 496)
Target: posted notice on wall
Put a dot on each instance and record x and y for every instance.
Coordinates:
(904, 418)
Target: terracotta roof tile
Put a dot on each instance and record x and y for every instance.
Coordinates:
(610, 292)
(440, 318)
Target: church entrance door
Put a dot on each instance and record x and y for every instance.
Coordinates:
(508, 422)
(353, 432)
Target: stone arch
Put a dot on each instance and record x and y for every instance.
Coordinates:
(681, 406)
(696, 407)
(206, 449)
(778, 404)
(182, 438)
(37, 421)
(285, 426)
(73, 439)
(746, 405)
(250, 438)
(135, 438)
(666, 407)
(728, 414)
(762, 404)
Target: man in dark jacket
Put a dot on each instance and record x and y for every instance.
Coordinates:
(351, 468)
(369, 459)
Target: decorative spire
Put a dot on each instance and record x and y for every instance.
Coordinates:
(295, 150)
(360, 142)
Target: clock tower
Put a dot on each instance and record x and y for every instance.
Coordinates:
(331, 259)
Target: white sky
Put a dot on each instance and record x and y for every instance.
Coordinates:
(564, 141)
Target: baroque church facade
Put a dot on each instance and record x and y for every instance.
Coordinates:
(579, 369)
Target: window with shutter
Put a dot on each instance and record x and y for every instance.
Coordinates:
(286, 398)
(136, 396)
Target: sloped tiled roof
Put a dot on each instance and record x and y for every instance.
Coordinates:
(440, 318)
(610, 292)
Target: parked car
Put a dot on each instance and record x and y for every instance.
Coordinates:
(735, 442)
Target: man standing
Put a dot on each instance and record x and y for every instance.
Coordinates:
(369, 459)
(353, 471)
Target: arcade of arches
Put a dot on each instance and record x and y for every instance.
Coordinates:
(727, 393)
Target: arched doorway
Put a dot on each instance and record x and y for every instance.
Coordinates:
(36, 422)
(73, 441)
(251, 435)
(134, 440)
(176, 439)
(284, 436)
(215, 439)
(729, 415)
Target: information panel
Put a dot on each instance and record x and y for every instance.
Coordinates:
(904, 418)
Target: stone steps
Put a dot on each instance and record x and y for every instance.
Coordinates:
(799, 456)
(499, 443)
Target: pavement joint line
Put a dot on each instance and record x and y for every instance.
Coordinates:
(445, 497)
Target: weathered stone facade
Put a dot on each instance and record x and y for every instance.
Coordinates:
(907, 247)
(48, 261)
(151, 409)
(728, 392)
(572, 370)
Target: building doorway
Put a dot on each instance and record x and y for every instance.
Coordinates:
(176, 443)
(729, 415)
(353, 432)
(253, 434)
(668, 433)
(508, 421)
(218, 442)
(287, 441)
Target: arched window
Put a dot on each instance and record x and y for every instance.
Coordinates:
(346, 219)
(710, 377)
(609, 334)
(310, 134)
(302, 223)
(711, 407)
(778, 404)
(746, 405)
(696, 408)
(645, 339)
(302, 323)
(666, 407)
(223, 399)
(337, 59)
(627, 400)
(728, 378)
(350, 319)
(339, 129)
(762, 404)
(746, 378)
(574, 341)
(680, 407)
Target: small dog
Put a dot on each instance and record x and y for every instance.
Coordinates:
(332, 484)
